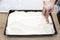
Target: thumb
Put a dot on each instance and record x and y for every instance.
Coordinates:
(44, 11)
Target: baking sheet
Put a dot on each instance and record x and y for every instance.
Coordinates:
(37, 32)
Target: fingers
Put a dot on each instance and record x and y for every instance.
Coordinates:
(46, 13)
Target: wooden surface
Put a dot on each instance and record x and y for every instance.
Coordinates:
(3, 18)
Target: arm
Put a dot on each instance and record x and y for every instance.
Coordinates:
(54, 1)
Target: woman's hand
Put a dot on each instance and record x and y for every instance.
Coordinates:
(47, 8)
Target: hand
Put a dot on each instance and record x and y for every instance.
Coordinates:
(47, 8)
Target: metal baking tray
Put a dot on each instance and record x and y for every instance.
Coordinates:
(30, 35)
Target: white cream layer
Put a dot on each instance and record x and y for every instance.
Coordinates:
(28, 23)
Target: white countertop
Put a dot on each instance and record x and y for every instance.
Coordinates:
(6, 5)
